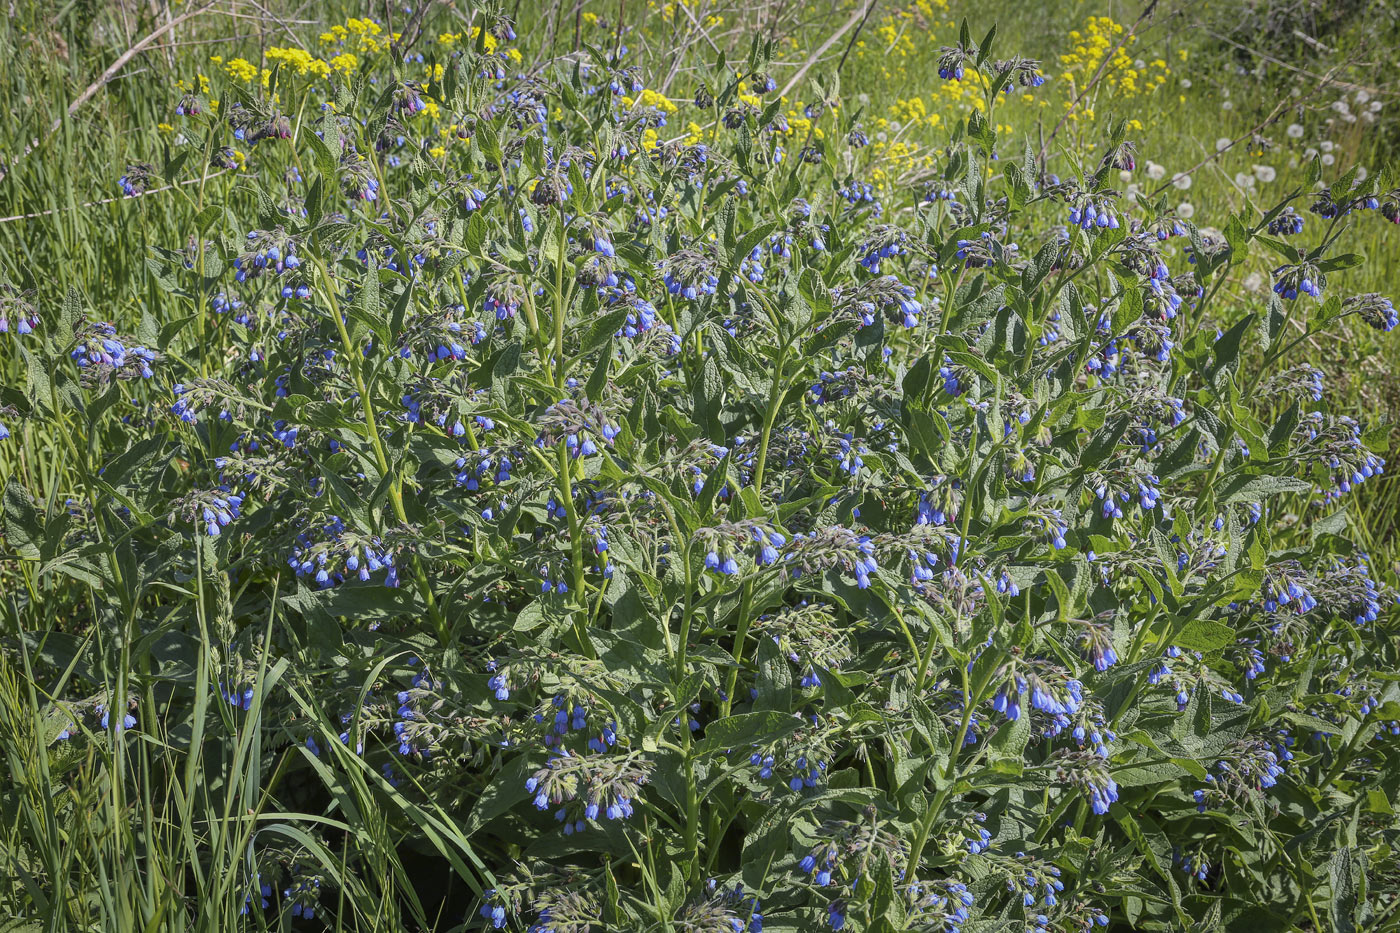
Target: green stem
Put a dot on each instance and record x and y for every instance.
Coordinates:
(775, 398)
(692, 801)
(561, 307)
(741, 633)
(687, 614)
(356, 362)
(566, 492)
(971, 700)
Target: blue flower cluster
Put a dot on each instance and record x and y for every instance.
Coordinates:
(1063, 699)
(104, 353)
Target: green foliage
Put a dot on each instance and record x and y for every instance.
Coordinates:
(602, 525)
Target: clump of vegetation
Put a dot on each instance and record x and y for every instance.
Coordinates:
(549, 503)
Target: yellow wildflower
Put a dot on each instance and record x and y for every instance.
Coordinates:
(241, 69)
(301, 61)
(649, 98)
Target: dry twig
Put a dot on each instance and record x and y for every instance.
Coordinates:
(859, 16)
(125, 57)
(59, 210)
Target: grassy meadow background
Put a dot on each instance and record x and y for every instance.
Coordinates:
(1227, 101)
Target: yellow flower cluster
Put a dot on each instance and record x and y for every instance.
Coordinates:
(895, 38)
(1101, 41)
(913, 111)
(905, 156)
(240, 69)
(896, 159)
(184, 85)
(745, 97)
(361, 35)
(963, 96)
(798, 125)
(929, 8)
(669, 10)
(358, 37)
(300, 61)
(450, 39)
(649, 98)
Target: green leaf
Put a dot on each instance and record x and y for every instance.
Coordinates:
(1128, 312)
(38, 387)
(751, 239)
(1340, 263)
(1347, 875)
(707, 394)
(367, 308)
(505, 366)
(1227, 346)
(599, 378)
(1334, 523)
(205, 218)
(23, 529)
(325, 161)
(1237, 236)
(746, 729)
(1204, 636)
(1282, 431)
(918, 380)
(475, 236)
(1258, 488)
(774, 678)
(171, 329)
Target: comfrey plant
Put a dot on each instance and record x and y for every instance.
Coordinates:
(646, 534)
